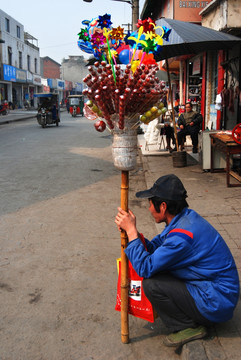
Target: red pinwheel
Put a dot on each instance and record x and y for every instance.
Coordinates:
(148, 24)
(98, 39)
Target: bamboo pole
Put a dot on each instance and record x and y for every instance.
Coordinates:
(124, 262)
(173, 114)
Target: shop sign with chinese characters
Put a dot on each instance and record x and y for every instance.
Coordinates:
(189, 10)
(9, 73)
(196, 69)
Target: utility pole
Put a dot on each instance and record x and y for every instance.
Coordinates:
(135, 10)
(135, 13)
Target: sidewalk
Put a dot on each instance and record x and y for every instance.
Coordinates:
(17, 115)
(221, 206)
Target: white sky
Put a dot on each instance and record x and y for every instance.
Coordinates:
(56, 23)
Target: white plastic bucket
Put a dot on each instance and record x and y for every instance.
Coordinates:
(124, 149)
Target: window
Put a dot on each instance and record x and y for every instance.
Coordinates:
(35, 66)
(18, 31)
(7, 25)
(20, 60)
(9, 55)
(28, 62)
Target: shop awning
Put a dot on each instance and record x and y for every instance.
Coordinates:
(187, 38)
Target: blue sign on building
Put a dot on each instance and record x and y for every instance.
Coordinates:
(79, 87)
(60, 84)
(50, 82)
(9, 73)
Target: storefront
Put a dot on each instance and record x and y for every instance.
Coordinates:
(35, 89)
(77, 89)
(9, 78)
(194, 82)
(45, 87)
(3, 91)
(60, 88)
(68, 88)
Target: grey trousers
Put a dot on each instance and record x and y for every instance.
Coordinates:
(173, 302)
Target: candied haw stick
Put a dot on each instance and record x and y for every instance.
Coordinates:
(116, 100)
(104, 110)
(121, 112)
(108, 100)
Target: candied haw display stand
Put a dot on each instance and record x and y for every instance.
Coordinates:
(122, 96)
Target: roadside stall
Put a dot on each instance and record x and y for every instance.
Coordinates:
(123, 91)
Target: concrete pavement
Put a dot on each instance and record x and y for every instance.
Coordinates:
(221, 206)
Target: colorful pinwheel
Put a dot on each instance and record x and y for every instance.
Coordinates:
(148, 24)
(117, 33)
(166, 33)
(98, 39)
(113, 44)
(104, 21)
(84, 35)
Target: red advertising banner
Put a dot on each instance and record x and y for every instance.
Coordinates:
(189, 10)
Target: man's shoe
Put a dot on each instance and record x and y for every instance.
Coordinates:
(184, 336)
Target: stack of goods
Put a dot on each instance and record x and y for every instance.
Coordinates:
(122, 86)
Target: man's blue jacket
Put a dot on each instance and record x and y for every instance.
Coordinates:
(193, 251)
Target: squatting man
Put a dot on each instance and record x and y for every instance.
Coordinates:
(190, 276)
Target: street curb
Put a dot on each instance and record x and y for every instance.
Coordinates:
(15, 120)
(194, 350)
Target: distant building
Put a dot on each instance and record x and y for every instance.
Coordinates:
(19, 61)
(174, 9)
(50, 68)
(75, 69)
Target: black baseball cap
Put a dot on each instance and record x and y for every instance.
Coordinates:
(167, 187)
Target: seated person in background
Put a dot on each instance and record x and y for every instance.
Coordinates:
(176, 104)
(189, 123)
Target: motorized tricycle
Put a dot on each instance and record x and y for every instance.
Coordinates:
(48, 109)
(76, 105)
(4, 109)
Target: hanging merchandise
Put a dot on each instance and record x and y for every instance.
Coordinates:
(122, 86)
(218, 102)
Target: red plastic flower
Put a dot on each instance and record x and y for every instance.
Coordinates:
(98, 39)
(148, 24)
